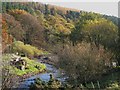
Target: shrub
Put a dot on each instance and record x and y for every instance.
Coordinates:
(25, 49)
(114, 86)
(50, 85)
(83, 63)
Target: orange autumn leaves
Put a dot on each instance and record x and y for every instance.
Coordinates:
(7, 39)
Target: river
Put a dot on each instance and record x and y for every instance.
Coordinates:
(44, 76)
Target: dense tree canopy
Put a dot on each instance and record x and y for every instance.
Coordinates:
(14, 27)
(101, 31)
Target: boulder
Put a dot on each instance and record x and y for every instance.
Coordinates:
(22, 67)
(19, 63)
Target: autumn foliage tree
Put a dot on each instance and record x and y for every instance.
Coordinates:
(15, 28)
(7, 39)
(33, 30)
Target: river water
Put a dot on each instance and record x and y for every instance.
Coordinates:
(44, 76)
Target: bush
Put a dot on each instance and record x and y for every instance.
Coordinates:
(113, 86)
(50, 85)
(83, 63)
(25, 49)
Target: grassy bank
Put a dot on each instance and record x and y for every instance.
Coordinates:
(31, 68)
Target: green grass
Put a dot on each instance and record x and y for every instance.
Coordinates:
(31, 66)
(43, 52)
(110, 81)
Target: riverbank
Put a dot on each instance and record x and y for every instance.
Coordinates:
(45, 76)
(16, 75)
(24, 80)
(20, 79)
(32, 66)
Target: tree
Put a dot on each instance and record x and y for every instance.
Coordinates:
(118, 44)
(76, 34)
(53, 11)
(15, 28)
(91, 28)
(4, 7)
(62, 38)
(47, 11)
(101, 31)
(7, 39)
(73, 15)
(33, 29)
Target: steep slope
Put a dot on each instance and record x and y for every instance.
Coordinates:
(38, 24)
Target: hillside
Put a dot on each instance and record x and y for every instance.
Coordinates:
(46, 18)
(83, 45)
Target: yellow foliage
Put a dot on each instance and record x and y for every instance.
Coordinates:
(26, 49)
(59, 24)
(17, 11)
